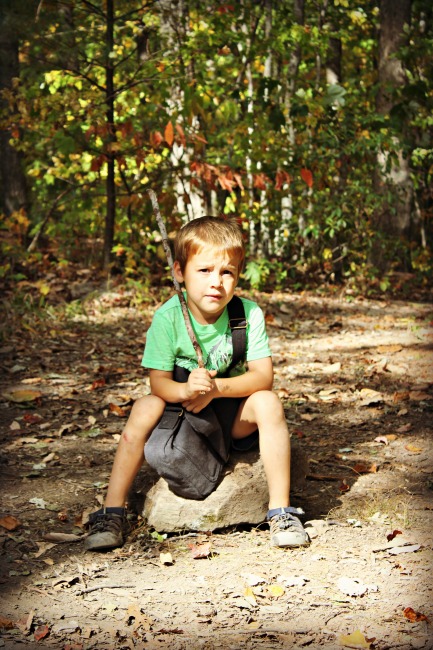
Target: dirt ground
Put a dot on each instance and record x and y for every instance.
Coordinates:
(356, 378)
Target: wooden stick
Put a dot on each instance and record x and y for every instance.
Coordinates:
(177, 286)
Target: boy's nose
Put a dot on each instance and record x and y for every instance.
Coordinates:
(216, 280)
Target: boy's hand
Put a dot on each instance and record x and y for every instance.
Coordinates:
(198, 388)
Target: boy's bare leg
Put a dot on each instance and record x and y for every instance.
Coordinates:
(107, 525)
(144, 416)
(264, 410)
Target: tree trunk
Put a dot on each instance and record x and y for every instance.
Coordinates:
(110, 217)
(293, 67)
(12, 179)
(393, 220)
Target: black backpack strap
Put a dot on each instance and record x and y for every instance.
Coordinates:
(238, 325)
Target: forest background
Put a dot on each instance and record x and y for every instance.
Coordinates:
(311, 122)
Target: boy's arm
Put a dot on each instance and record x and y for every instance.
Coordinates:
(259, 376)
(200, 381)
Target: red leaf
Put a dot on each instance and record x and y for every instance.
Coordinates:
(181, 133)
(282, 178)
(344, 487)
(99, 383)
(260, 181)
(307, 177)
(394, 533)
(156, 138)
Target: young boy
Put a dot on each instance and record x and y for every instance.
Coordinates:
(209, 255)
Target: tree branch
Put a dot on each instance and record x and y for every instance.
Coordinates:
(177, 286)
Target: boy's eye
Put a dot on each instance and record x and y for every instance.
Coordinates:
(228, 272)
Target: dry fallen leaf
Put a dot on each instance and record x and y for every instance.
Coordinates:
(249, 596)
(418, 395)
(400, 396)
(352, 587)
(42, 548)
(41, 632)
(386, 439)
(6, 623)
(355, 640)
(199, 551)
(389, 349)
(413, 448)
(117, 410)
(394, 534)
(412, 548)
(362, 468)
(62, 537)
(275, 591)
(166, 558)
(344, 487)
(413, 616)
(20, 395)
(9, 522)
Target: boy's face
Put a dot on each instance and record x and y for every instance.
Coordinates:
(210, 279)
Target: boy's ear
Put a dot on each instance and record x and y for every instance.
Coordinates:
(177, 272)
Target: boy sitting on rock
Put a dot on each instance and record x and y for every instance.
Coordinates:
(208, 258)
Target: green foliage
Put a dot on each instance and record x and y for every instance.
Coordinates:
(197, 114)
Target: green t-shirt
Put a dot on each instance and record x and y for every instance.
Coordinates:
(168, 343)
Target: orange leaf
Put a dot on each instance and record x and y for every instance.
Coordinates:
(6, 623)
(41, 632)
(400, 396)
(260, 181)
(413, 448)
(362, 468)
(9, 522)
(413, 616)
(117, 410)
(307, 177)
(98, 383)
(169, 134)
(199, 551)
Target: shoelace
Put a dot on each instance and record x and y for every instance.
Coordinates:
(103, 522)
(284, 521)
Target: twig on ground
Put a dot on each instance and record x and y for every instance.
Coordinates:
(90, 589)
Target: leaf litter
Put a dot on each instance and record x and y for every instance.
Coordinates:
(342, 389)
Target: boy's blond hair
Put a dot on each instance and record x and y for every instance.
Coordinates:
(216, 232)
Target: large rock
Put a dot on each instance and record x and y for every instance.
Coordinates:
(240, 498)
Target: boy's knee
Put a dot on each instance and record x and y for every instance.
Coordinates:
(267, 402)
(146, 412)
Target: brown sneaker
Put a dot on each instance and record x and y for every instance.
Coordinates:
(106, 530)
